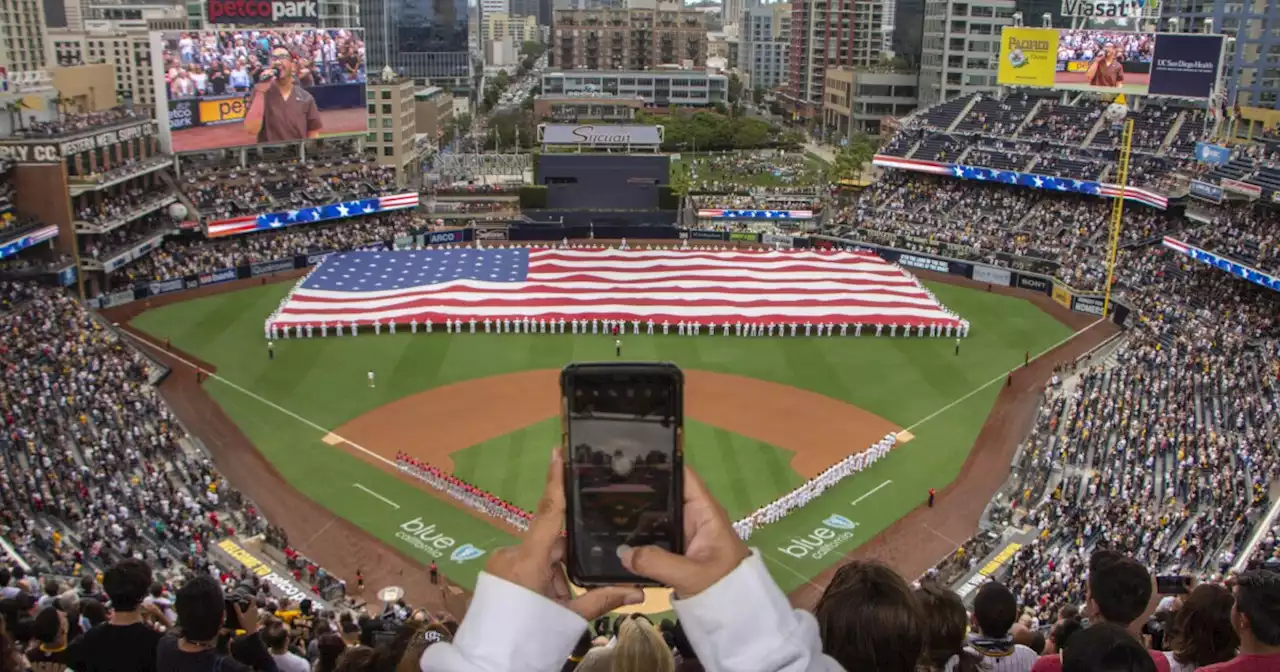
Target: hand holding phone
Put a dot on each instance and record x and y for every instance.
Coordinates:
(537, 564)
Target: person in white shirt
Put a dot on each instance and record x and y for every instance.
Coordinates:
(371, 379)
(736, 617)
(276, 637)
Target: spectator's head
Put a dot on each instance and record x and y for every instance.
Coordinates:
(50, 627)
(328, 647)
(1037, 643)
(1106, 647)
(869, 620)
(127, 583)
(1256, 615)
(1119, 589)
(93, 611)
(51, 588)
(1069, 612)
(276, 636)
(994, 609)
(200, 608)
(1202, 633)
(357, 659)
(945, 623)
(4, 576)
(1061, 633)
(640, 648)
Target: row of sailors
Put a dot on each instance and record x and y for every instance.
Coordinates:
(528, 325)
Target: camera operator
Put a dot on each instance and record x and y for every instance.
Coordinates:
(213, 627)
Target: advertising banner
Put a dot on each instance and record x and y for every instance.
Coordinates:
(744, 236)
(991, 567)
(442, 237)
(116, 299)
(599, 135)
(706, 234)
(280, 585)
(166, 286)
(226, 92)
(401, 243)
(1088, 304)
(1034, 284)
(48, 152)
(319, 213)
(1212, 154)
(755, 214)
(1206, 191)
(265, 267)
(926, 263)
(777, 239)
(1110, 61)
(1222, 263)
(1105, 9)
(1251, 191)
(215, 277)
(263, 12)
(996, 276)
(15, 245)
(1062, 295)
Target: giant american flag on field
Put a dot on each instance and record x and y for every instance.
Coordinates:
(704, 286)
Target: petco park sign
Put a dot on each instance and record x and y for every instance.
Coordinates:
(264, 11)
(590, 135)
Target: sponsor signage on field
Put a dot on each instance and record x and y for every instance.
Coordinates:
(1035, 284)
(991, 274)
(1000, 560)
(218, 276)
(221, 111)
(926, 263)
(429, 539)
(1062, 295)
(166, 286)
(1222, 263)
(442, 237)
(744, 236)
(777, 239)
(1206, 191)
(263, 12)
(705, 234)
(1088, 304)
(183, 114)
(265, 267)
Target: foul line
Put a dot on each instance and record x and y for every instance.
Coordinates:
(872, 491)
(1000, 377)
(376, 495)
(268, 402)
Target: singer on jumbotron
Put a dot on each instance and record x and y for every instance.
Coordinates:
(280, 109)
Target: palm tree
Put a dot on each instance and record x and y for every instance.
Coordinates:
(14, 108)
(852, 157)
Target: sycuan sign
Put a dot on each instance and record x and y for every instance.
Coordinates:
(602, 135)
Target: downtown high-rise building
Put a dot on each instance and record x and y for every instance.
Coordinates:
(961, 49)
(420, 39)
(23, 41)
(628, 39)
(827, 34)
(764, 39)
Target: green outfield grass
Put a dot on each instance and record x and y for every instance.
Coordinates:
(322, 381)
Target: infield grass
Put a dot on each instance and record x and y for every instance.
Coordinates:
(323, 380)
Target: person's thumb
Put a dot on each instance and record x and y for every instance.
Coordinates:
(596, 603)
(656, 563)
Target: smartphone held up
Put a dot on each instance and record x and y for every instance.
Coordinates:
(622, 433)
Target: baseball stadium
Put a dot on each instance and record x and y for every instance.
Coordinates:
(1015, 362)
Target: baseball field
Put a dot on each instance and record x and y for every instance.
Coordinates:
(764, 414)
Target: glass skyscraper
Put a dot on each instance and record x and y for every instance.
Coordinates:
(422, 39)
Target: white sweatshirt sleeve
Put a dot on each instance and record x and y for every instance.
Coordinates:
(744, 622)
(508, 628)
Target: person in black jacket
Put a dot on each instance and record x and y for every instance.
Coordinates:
(126, 643)
(200, 647)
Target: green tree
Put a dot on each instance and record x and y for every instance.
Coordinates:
(462, 122)
(852, 157)
(757, 95)
(533, 48)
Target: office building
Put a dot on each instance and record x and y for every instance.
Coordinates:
(393, 137)
(118, 36)
(961, 47)
(517, 29)
(22, 45)
(581, 108)
(1252, 66)
(425, 40)
(488, 7)
(628, 39)
(765, 44)
(908, 31)
(857, 100)
(433, 110)
(658, 88)
(339, 14)
(825, 34)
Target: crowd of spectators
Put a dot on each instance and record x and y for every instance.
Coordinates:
(125, 169)
(1243, 232)
(731, 172)
(74, 123)
(220, 192)
(105, 246)
(115, 207)
(187, 256)
(208, 63)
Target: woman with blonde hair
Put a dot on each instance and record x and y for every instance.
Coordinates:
(640, 648)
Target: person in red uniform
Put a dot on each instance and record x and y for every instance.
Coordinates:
(435, 572)
(931, 493)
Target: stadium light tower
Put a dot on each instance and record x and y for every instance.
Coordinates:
(1117, 113)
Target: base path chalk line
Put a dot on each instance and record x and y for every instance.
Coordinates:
(376, 495)
(870, 492)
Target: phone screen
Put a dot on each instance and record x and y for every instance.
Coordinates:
(623, 436)
(1172, 585)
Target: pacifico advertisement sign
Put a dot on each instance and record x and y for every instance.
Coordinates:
(1028, 57)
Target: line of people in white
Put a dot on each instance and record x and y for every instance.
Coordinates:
(814, 487)
(542, 325)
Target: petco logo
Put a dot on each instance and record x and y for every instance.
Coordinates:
(426, 538)
(263, 11)
(835, 531)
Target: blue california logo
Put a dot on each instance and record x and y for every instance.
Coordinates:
(465, 552)
(839, 522)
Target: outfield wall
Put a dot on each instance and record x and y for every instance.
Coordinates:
(1079, 301)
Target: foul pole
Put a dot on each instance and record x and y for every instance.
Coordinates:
(1117, 212)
